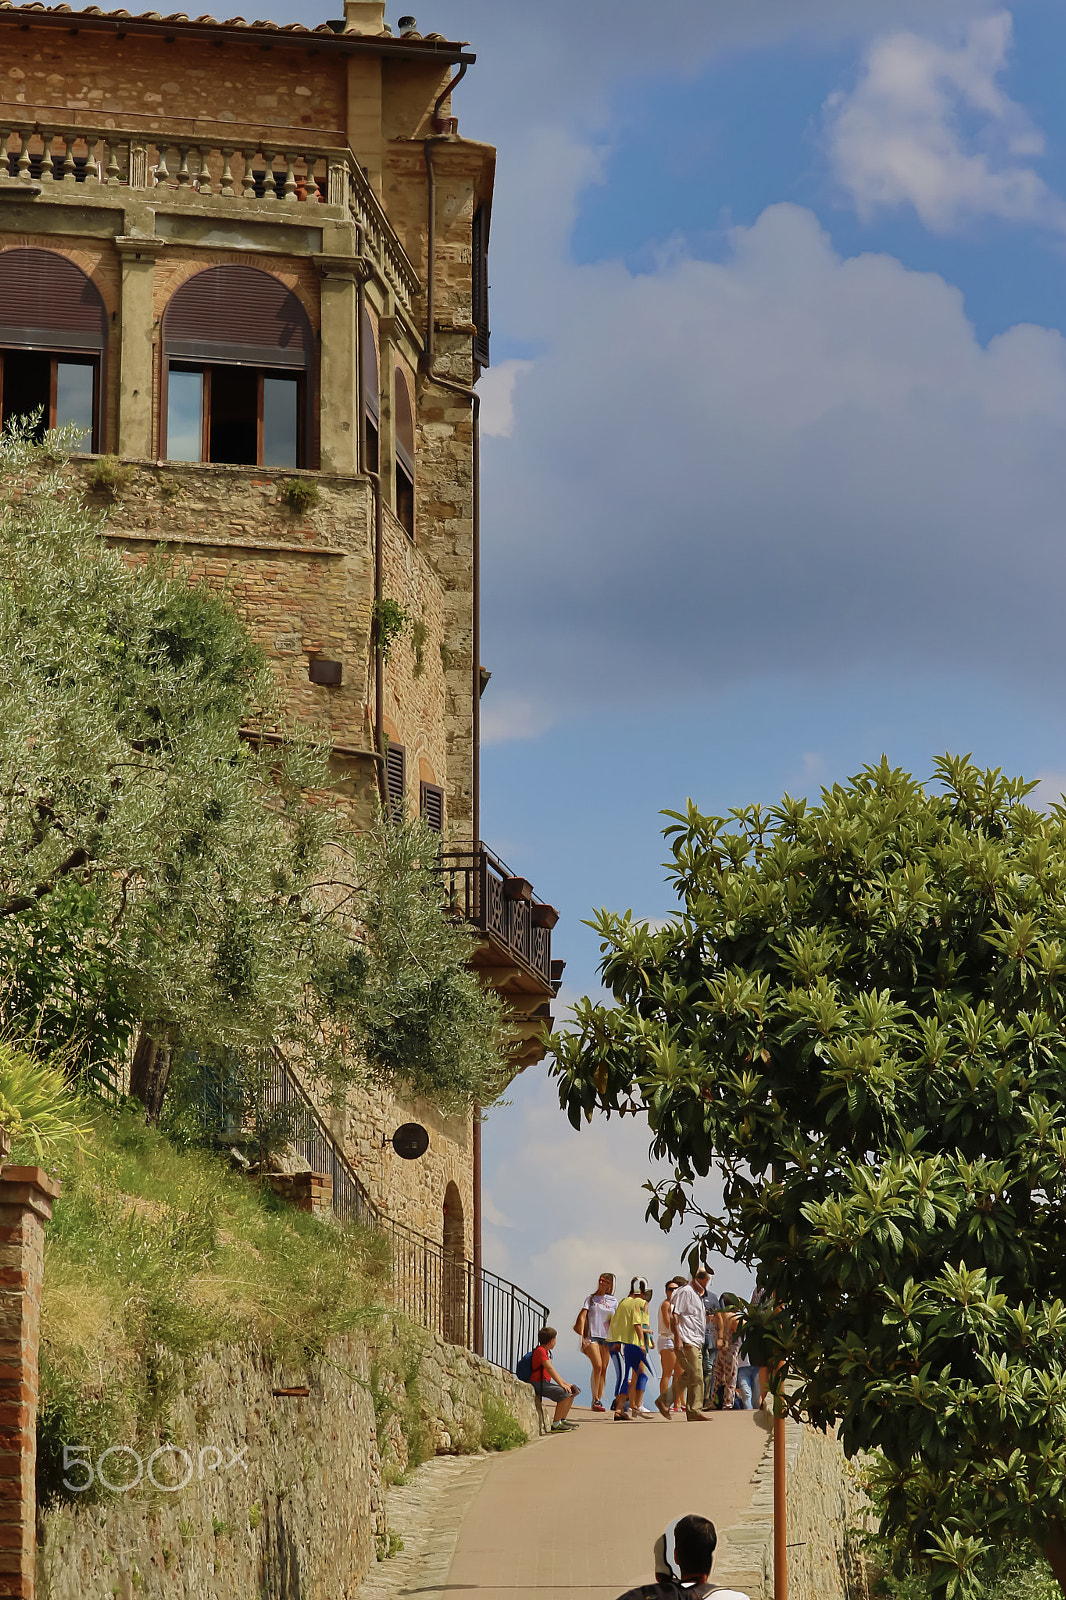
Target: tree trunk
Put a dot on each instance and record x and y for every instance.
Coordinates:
(1055, 1551)
(150, 1070)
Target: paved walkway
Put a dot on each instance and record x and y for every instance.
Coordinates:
(577, 1515)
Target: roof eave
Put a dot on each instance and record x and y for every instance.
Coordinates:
(445, 51)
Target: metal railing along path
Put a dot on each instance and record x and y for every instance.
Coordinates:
(432, 1285)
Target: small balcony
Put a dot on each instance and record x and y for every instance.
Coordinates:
(281, 175)
(514, 953)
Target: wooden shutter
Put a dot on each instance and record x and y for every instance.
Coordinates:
(237, 314)
(479, 273)
(396, 776)
(405, 424)
(48, 303)
(369, 357)
(433, 807)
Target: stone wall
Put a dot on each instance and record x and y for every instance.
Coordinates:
(238, 85)
(411, 1192)
(301, 1514)
(824, 1505)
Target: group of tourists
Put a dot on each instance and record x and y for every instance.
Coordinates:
(699, 1337)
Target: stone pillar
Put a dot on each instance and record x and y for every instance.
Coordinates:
(26, 1195)
(338, 399)
(136, 434)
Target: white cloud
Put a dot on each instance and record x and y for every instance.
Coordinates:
(1050, 791)
(497, 398)
(577, 1200)
(781, 460)
(491, 1214)
(512, 716)
(903, 135)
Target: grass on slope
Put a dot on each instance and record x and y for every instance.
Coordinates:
(156, 1252)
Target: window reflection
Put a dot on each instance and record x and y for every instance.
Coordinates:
(185, 415)
(280, 422)
(74, 399)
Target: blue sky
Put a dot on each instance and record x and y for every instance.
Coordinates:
(775, 462)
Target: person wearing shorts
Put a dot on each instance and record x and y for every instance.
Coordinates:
(666, 1339)
(631, 1327)
(548, 1384)
(593, 1327)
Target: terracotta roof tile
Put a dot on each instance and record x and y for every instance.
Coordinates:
(261, 25)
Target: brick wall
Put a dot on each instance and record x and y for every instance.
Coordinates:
(26, 1195)
(304, 583)
(241, 84)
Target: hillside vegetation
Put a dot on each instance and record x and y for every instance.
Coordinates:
(155, 1253)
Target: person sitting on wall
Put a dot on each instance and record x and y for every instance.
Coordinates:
(684, 1555)
(548, 1384)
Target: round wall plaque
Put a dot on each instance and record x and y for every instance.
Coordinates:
(410, 1141)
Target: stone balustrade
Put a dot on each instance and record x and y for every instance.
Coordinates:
(259, 172)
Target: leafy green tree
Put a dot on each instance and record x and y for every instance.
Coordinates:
(172, 877)
(859, 1014)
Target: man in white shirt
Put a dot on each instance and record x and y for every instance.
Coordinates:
(688, 1315)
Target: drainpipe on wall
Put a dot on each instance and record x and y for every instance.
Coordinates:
(375, 484)
(472, 395)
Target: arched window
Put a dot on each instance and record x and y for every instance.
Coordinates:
(53, 334)
(372, 386)
(237, 350)
(405, 453)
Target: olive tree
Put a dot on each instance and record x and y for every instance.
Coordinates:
(173, 877)
(859, 1014)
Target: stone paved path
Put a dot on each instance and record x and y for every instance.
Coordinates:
(574, 1515)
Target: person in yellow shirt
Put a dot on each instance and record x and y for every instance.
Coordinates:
(631, 1327)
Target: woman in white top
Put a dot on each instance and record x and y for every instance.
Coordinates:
(665, 1342)
(592, 1325)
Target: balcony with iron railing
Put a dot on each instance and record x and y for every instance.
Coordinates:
(514, 954)
(200, 166)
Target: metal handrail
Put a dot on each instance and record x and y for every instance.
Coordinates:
(431, 1284)
(474, 882)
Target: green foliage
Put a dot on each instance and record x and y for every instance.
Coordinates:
(153, 1255)
(388, 1545)
(164, 867)
(859, 1013)
(500, 1430)
(38, 1108)
(389, 622)
(1009, 1574)
(301, 494)
(108, 476)
(428, 1021)
(418, 645)
(394, 1391)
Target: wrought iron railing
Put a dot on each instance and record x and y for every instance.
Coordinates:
(281, 1091)
(482, 890)
(430, 1284)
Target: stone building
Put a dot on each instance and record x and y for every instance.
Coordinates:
(250, 262)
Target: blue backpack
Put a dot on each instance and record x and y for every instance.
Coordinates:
(524, 1370)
